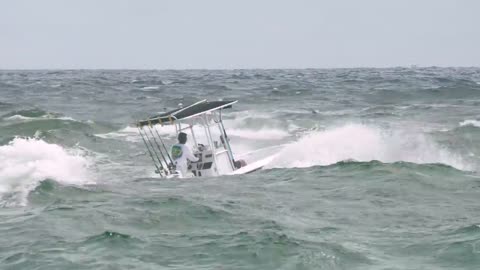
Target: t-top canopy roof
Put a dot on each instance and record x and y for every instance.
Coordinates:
(195, 109)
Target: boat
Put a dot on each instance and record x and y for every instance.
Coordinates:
(203, 123)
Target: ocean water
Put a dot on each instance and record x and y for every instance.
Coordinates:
(375, 169)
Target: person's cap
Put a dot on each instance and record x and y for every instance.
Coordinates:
(182, 136)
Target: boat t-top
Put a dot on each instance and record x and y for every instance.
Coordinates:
(203, 123)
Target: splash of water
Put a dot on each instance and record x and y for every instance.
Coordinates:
(364, 143)
(474, 123)
(24, 163)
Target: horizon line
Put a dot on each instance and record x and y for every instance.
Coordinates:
(242, 68)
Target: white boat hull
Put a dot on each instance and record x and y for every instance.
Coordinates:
(255, 166)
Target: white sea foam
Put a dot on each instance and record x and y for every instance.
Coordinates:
(18, 117)
(258, 134)
(167, 82)
(128, 133)
(234, 128)
(150, 87)
(24, 163)
(474, 123)
(364, 143)
(131, 134)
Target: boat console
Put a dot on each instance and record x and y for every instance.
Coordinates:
(204, 165)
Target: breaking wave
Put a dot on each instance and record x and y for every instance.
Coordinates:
(24, 163)
(128, 133)
(33, 114)
(474, 123)
(360, 142)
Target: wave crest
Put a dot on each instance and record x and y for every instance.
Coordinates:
(473, 123)
(24, 163)
(365, 143)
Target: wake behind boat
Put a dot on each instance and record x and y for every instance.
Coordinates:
(211, 147)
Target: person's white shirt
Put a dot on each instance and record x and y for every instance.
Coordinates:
(180, 154)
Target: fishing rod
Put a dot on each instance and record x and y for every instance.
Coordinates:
(150, 152)
(153, 149)
(158, 146)
(164, 147)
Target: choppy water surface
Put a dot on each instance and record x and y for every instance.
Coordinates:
(376, 169)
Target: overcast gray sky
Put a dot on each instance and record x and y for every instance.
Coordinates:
(164, 34)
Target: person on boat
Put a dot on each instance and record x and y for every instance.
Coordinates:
(181, 153)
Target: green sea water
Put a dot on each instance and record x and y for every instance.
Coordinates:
(376, 169)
